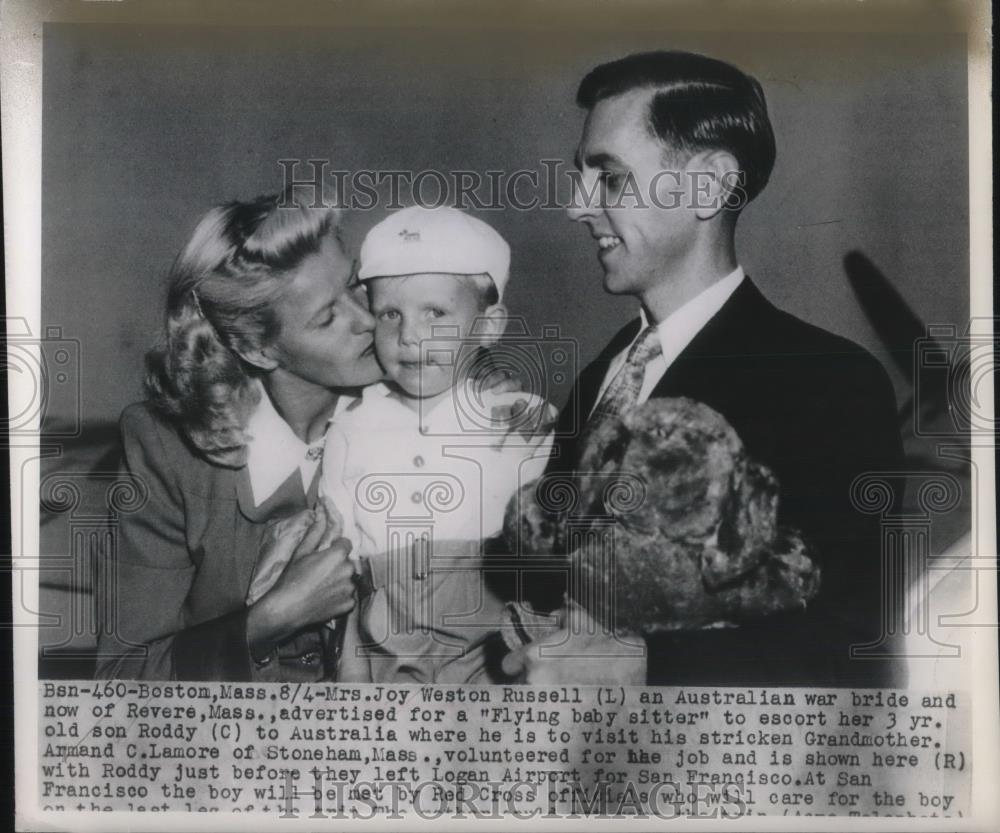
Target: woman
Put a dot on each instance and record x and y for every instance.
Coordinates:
(266, 334)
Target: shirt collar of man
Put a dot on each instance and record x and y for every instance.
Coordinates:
(274, 451)
(675, 332)
(678, 329)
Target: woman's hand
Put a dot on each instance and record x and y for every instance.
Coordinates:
(305, 531)
(316, 584)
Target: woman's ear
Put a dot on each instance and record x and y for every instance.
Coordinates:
(260, 357)
(716, 182)
(491, 324)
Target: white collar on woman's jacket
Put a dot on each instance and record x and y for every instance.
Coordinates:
(274, 452)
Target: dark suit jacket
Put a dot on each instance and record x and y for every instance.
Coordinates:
(172, 602)
(818, 410)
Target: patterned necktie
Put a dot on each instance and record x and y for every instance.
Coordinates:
(623, 393)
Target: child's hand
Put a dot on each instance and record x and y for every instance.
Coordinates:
(497, 380)
(577, 653)
(526, 423)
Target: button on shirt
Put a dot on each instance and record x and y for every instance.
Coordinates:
(676, 332)
(389, 467)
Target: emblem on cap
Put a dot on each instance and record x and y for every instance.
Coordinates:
(417, 240)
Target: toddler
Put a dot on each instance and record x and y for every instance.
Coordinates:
(422, 467)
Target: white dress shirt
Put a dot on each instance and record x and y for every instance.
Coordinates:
(274, 451)
(676, 332)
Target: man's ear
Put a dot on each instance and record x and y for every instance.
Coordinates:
(716, 182)
(260, 357)
(491, 324)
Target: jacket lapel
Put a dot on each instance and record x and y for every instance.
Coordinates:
(729, 333)
(286, 500)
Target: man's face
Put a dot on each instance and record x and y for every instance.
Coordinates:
(637, 215)
(326, 334)
(419, 320)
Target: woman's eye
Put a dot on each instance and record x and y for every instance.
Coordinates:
(388, 315)
(437, 312)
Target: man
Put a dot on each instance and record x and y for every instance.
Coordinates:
(674, 145)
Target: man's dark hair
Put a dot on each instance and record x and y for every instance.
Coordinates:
(699, 104)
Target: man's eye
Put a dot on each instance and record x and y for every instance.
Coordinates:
(388, 315)
(437, 312)
(612, 180)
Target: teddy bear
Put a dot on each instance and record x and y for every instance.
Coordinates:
(667, 524)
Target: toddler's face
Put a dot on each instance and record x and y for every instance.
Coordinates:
(419, 320)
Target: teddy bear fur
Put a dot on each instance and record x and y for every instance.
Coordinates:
(667, 525)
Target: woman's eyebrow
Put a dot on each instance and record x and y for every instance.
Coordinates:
(354, 281)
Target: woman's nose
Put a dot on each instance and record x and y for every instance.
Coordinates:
(364, 321)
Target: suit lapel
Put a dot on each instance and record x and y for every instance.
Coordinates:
(729, 333)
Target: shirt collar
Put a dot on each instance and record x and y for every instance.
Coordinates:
(383, 408)
(678, 329)
(274, 452)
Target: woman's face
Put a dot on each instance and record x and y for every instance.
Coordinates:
(326, 334)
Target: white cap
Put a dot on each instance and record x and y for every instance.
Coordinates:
(416, 241)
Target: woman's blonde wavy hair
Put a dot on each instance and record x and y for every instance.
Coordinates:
(222, 292)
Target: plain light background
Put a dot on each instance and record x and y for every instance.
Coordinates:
(145, 127)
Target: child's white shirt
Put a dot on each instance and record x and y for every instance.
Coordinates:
(392, 471)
